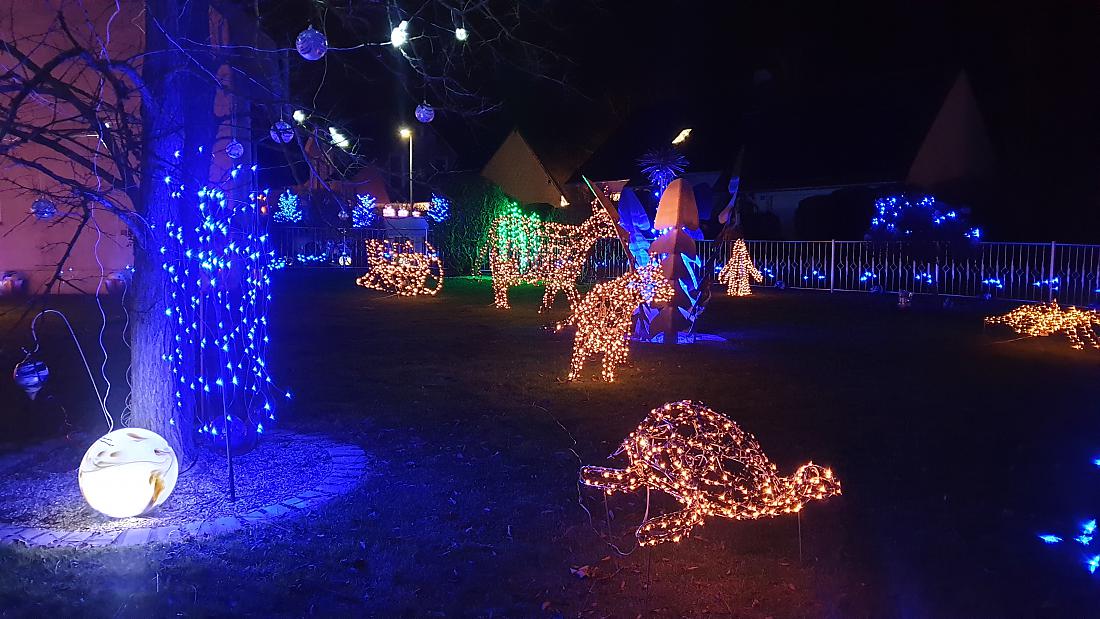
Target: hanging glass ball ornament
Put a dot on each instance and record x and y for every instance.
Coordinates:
(311, 44)
(282, 132)
(43, 208)
(128, 472)
(343, 214)
(31, 375)
(234, 149)
(425, 113)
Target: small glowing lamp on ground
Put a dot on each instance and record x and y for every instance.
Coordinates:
(128, 472)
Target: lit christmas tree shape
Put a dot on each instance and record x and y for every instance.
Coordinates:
(711, 466)
(737, 271)
(1049, 318)
(364, 212)
(288, 211)
(604, 316)
(399, 269)
(524, 250)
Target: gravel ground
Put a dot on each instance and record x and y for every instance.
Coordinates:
(38, 485)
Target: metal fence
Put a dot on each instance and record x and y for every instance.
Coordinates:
(1015, 271)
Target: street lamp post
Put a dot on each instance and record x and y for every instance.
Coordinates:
(406, 134)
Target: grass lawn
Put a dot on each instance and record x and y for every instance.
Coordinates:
(954, 448)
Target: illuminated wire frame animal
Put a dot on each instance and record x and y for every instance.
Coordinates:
(737, 271)
(711, 466)
(524, 250)
(1049, 318)
(604, 317)
(397, 267)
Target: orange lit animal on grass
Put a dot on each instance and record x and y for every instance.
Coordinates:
(524, 250)
(604, 317)
(1049, 318)
(711, 466)
(398, 268)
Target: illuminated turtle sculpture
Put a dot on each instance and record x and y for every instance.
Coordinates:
(711, 466)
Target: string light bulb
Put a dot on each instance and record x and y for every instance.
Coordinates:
(738, 269)
(400, 35)
(1049, 318)
(524, 250)
(461, 34)
(604, 317)
(711, 466)
(397, 268)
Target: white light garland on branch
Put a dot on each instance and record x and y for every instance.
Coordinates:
(711, 466)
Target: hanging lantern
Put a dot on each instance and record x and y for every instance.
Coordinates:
(128, 472)
(311, 44)
(234, 149)
(282, 132)
(43, 208)
(425, 113)
(31, 376)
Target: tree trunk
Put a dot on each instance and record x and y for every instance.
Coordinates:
(177, 117)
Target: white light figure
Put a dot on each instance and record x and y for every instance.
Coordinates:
(400, 35)
(128, 472)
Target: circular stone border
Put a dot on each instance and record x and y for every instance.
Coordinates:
(349, 462)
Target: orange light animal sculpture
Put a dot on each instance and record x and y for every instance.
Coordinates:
(604, 316)
(711, 466)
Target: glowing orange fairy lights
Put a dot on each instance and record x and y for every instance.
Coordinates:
(604, 316)
(711, 466)
(737, 271)
(1049, 318)
(398, 268)
(524, 250)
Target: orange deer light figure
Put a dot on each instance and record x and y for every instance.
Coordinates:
(711, 467)
(604, 317)
(524, 250)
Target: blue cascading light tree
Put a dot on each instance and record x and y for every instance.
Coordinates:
(289, 211)
(439, 209)
(217, 261)
(363, 213)
(900, 217)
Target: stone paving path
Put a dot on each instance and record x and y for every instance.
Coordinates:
(348, 464)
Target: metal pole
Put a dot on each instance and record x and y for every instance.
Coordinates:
(832, 262)
(1050, 273)
(410, 169)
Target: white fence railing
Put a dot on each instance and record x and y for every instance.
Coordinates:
(1015, 271)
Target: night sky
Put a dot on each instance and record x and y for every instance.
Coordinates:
(818, 92)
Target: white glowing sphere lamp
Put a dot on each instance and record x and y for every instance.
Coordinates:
(128, 472)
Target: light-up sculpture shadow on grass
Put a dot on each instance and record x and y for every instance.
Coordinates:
(711, 466)
(398, 268)
(524, 250)
(604, 317)
(1049, 318)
